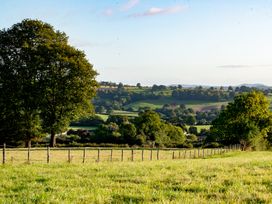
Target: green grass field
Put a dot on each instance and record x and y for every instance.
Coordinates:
(83, 127)
(240, 177)
(196, 105)
(200, 127)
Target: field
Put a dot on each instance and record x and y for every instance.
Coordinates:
(200, 127)
(195, 105)
(239, 177)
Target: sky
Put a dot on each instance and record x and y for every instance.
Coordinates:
(203, 42)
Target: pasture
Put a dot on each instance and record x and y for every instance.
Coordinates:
(236, 177)
(195, 105)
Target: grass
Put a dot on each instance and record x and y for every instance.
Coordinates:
(243, 177)
(103, 116)
(199, 127)
(196, 105)
(124, 113)
(83, 127)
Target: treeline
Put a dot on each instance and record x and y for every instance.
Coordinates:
(112, 96)
(180, 115)
(148, 129)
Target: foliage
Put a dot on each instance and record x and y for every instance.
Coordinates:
(48, 82)
(246, 120)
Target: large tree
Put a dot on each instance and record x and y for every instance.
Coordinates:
(246, 120)
(54, 82)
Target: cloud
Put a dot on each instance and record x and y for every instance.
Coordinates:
(108, 12)
(130, 4)
(241, 66)
(157, 11)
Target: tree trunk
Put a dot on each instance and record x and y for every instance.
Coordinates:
(53, 139)
(28, 143)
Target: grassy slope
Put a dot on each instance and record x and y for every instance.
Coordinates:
(236, 178)
(196, 105)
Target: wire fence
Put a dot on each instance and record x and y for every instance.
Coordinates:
(91, 155)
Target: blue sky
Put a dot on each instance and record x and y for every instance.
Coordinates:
(208, 42)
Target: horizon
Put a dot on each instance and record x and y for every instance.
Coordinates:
(208, 43)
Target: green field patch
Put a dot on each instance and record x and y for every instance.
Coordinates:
(124, 113)
(103, 116)
(199, 127)
(83, 127)
(230, 179)
(195, 105)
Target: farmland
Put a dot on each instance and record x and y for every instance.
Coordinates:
(239, 177)
(195, 105)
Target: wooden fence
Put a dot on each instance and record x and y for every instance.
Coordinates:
(89, 154)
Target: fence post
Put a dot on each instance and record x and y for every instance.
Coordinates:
(179, 154)
(122, 155)
(185, 154)
(198, 153)
(4, 153)
(111, 155)
(84, 155)
(190, 155)
(158, 156)
(98, 155)
(173, 155)
(151, 154)
(194, 153)
(28, 155)
(132, 155)
(203, 152)
(48, 155)
(142, 155)
(69, 155)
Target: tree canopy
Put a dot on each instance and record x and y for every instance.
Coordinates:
(44, 82)
(246, 120)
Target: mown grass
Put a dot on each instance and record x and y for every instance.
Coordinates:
(243, 177)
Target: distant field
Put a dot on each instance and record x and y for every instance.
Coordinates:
(83, 127)
(125, 113)
(196, 105)
(243, 177)
(103, 116)
(200, 127)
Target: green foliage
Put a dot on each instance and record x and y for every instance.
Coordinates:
(156, 131)
(246, 120)
(118, 119)
(47, 82)
(129, 132)
(193, 130)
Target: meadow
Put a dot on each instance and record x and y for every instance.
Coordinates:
(158, 103)
(236, 177)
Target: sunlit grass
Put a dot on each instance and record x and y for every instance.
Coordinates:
(243, 177)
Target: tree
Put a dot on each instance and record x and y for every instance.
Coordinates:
(139, 85)
(20, 80)
(149, 124)
(53, 80)
(128, 132)
(246, 120)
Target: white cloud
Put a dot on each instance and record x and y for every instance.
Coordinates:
(130, 4)
(156, 11)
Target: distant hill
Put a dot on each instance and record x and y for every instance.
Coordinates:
(258, 86)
